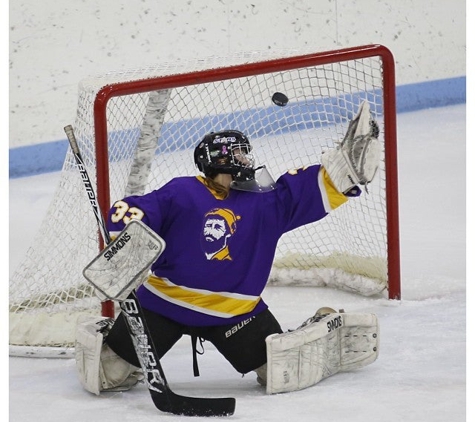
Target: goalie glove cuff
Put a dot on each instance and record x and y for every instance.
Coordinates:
(353, 164)
(341, 174)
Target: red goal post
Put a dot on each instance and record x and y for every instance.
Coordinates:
(137, 129)
(266, 67)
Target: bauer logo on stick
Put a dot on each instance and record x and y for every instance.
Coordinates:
(280, 99)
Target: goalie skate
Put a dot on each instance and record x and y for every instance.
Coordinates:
(322, 346)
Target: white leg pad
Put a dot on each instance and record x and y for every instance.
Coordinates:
(338, 342)
(99, 368)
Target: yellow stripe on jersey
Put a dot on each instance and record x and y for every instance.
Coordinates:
(221, 304)
(333, 198)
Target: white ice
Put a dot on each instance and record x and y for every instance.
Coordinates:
(420, 374)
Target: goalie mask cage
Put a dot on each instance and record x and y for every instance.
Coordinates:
(137, 129)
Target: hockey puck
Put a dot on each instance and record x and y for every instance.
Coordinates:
(280, 99)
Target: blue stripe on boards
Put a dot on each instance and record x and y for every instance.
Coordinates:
(49, 156)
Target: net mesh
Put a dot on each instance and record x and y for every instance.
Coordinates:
(348, 249)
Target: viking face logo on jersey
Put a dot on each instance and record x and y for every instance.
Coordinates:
(218, 227)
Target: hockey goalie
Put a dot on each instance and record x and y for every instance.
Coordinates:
(221, 230)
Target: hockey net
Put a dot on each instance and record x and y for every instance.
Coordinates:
(137, 129)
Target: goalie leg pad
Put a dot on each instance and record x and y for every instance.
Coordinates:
(99, 367)
(336, 342)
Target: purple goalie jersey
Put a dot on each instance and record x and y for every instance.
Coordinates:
(219, 252)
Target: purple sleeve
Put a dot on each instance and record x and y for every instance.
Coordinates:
(150, 208)
(300, 198)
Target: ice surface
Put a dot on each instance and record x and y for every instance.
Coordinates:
(421, 371)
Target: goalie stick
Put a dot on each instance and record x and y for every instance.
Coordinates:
(163, 397)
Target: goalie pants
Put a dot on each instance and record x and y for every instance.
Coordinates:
(242, 344)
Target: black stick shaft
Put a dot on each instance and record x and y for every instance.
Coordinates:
(87, 184)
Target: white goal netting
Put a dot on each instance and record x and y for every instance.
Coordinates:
(158, 115)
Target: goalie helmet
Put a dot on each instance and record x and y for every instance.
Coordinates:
(230, 152)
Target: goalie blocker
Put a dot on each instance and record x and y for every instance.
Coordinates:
(124, 264)
(322, 346)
